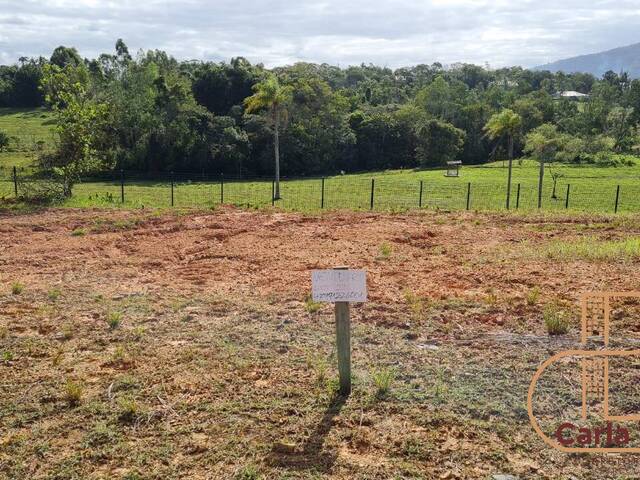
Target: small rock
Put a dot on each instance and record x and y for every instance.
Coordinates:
(503, 477)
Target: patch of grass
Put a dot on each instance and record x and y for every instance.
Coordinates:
(100, 434)
(533, 295)
(7, 356)
(594, 250)
(310, 306)
(130, 410)
(67, 331)
(17, 288)
(385, 251)
(248, 472)
(383, 379)
(114, 320)
(79, 232)
(54, 294)
(555, 320)
(73, 392)
(320, 367)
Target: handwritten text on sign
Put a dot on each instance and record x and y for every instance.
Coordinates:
(339, 285)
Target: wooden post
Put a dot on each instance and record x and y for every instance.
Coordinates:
(121, 186)
(373, 183)
(420, 199)
(343, 344)
(566, 200)
(617, 199)
(468, 195)
(172, 189)
(518, 198)
(15, 180)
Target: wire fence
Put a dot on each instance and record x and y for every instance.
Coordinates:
(135, 190)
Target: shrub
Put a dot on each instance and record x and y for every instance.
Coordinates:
(79, 232)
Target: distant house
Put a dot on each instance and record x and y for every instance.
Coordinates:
(571, 95)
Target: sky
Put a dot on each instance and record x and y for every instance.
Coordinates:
(389, 33)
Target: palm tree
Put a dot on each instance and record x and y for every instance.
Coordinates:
(505, 124)
(271, 95)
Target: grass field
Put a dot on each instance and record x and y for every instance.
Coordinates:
(145, 345)
(591, 188)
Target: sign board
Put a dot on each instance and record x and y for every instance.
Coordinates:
(339, 285)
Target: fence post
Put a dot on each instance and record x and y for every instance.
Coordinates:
(420, 199)
(373, 183)
(122, 185)
(617, 199)
(15, 180)
(518, 198)
(221, 188)
(273, 193)
(172, 189)
(322, 194)
(566, 201)
(343, 344)
(468, 194)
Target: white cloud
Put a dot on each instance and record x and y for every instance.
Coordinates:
(276, 32)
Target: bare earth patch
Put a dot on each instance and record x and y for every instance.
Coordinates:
(179, 345)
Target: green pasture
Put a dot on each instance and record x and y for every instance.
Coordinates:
(590, 188)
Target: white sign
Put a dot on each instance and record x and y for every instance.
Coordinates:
(339, 285)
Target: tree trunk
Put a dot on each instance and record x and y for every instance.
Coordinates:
(276, 147)
(540, 184)
(510, 168)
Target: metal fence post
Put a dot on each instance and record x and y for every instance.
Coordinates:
(222, 188)
(172, 189)
(566, 200)
(15, 180)
(468, 194)
(121, 185)
(322, 194)
(273, 193)
(518, 198)
(373, 183)
(617, 199)
(420, 199)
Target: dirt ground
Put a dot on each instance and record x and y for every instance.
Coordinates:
(167, 345)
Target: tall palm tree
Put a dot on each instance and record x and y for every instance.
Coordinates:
(505, 124)
(270, 95)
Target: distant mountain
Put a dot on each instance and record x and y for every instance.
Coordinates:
(623, 58)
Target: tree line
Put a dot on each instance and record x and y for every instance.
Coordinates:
(153, 113)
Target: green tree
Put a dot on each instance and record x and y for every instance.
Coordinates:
(79, 122)
(438, 142)
(270, 95)
(544, 144)
(505, 124)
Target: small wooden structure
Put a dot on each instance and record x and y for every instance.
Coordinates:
(453, 169)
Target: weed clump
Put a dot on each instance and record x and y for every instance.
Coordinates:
(73, 392)
(555, 320)
(383, 379)
(17, 288)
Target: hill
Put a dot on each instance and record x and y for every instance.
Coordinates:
(619, 59)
